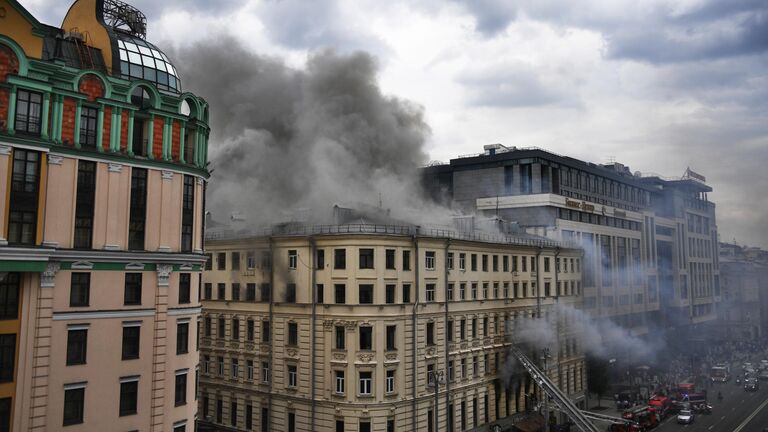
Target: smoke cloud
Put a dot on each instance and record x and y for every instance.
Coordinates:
(599, 337)
(284, 139)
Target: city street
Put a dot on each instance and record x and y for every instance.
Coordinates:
(739, 411)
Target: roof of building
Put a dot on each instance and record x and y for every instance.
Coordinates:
(139, 59)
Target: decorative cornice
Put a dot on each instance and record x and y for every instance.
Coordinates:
(120, 256)
(48, 276)
(184, 311)
(163, 274)
(82, 315)
(82, 265)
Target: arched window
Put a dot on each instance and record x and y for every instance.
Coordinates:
(141, 99)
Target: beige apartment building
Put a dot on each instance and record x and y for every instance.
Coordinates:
(102, 169)
(346, 328)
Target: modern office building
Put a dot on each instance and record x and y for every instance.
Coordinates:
(346, 327)
(644, 238)
(102, 170)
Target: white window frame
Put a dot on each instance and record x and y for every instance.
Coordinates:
(338, 376)
(293, 258)
(235, 369)
(249, 369)
(462, 262)
(430, 292)
(293, 376)
(390, 381)
(429, 260)
(365, 384)
(265, 372)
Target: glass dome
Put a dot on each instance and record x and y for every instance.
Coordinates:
(140, 59)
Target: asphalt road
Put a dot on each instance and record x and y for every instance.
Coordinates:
(739, 411)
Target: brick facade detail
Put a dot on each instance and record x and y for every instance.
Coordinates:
(92, 86)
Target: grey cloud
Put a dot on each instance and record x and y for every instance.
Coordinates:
(298, 24)
(714, 29)
(515, 85)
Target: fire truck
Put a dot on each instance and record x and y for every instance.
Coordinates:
(646, 416)
(720, 373)
(661, 404)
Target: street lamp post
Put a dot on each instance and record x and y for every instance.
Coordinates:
(437, 377)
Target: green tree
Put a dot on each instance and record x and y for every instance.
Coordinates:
(597, 376)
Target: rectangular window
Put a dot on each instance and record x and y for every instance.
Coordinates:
(84, 204)
(131, 335)
(463, 363)
(265, 420)
(366, 259)
(429, 260)
(449, 331)
(339, 339)
(233, 414)
(293, 334)
(265, 374)
(293, 258)
(391, 336)
(505, 263)
(29, 107)
(546, 264)
(462, 329)
(495, 263)
(430, 288)
(180, 389)
(208, 291)
(406, 293)
(138, 211)
(266, 332)
(406, 260)
(207, 326)
(77, 344)
(290, 293)
(366, 338)
(249, 330)
(185, 282)
(319, 293)
(80, 288)
(484, 260)
(129, 393)
(462, 291)
(339, 375)
(365, 294)
(339, 293)
(221, 291)
(182, 338)
(389, 255)
(320, 264)
(473, 262)
(462, 261)
(365, 426)
(248, 417)
(449, 261)
(292, 376)
(366, 383)
(235, 260)
(249, 370)
(266, 292)
(221, 261)
(430, 333)
(339, 425)
(5, 414)
(188, 214)
(339, 259)
(390, 294)
(450, 291)
(390, 381)
(25, 182)
(132, 294)
(222, 328)
(291, 422)
(250, 260)
(8, 357)
(250, 292)
(9, 296)
(74, 399)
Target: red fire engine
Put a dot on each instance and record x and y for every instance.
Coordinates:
(646, 416)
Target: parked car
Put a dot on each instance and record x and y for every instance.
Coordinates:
(685, 417)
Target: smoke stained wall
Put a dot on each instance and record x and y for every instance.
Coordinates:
(285, 139)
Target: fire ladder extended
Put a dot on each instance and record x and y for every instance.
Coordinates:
(576, 415)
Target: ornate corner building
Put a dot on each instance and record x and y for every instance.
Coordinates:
(348, 328)
(102, 168)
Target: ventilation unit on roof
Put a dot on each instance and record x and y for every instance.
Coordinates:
(126, 18)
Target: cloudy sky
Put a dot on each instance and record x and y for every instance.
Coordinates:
(659, 85)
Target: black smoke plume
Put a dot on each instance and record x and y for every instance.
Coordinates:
(285, 139)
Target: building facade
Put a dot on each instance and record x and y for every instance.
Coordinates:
(744, 276)
(102, 168)
(644, 238)
(347, 327)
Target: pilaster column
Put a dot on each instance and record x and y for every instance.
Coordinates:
(151, 137)
(182, 143)
(130, 133)
(100, 129)
(41, 355)
(12, 111)
(45, 115)
(78, 113)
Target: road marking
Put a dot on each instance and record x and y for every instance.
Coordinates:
(751, 416)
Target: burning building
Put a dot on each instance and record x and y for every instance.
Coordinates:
(650, 243)
(371, 325)
(102, 161)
